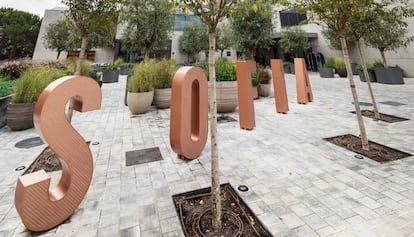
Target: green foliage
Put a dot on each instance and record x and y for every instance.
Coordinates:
(18, 33)
(5, 78)
(203, 65)
(329, 63)
(86, 66)
(149, 25)
(339, 63)
(56, 36)
(335, 42)
(294, 41)
(33, 81)
(6, 86)
(194, 39)
(377, 63)
(142, 78)
(255, 79)
(164, 72)
(223, 38)
(252, 26)
(225, 71)
(115, 65)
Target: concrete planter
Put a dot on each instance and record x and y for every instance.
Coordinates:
(326, 72)
(162, 98)
(264, 90)
(341, 72)
(389, 75)
(4, 101)
(139, 103)
(124, 70)
(226, 96)
(110, 76)
(371, 75)
(20, 116)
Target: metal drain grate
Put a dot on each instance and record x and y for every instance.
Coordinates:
(143, 156)
(364, 103)
(225, 119)
(29, 143)
(392, 103)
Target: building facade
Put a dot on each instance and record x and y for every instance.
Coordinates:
(403, 57)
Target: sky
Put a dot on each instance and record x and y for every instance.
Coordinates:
(36, 7)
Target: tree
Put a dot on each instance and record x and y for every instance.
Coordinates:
(335, 42)
(335, 15)
(18, 33)
(149, 25)
(389, 29)
(294, 41)
(193, 40)
(252, 26)
(89, 16)
(56, 37)
(223, 38)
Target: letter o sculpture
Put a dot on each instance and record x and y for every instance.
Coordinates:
(40, 208)
(189, 112)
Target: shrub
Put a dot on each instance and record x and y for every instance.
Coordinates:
(14, 69)
(339, 63)
(86, 66)
(5, 78)
(225, 71)
(264, 76)
(33, 81)
(6, 87)
(142, 78)
(330, 63)
(115, 65)
(164, 72)
(255, 79)
(377, 63)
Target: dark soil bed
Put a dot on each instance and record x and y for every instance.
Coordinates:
(238, 220)
(383, 117)
(47, 161)
(377, 151)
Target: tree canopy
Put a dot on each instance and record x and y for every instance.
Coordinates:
(223, 38)
(294, 41)
(194, 39)
(149, 25)
(18, 33)
(252, 26)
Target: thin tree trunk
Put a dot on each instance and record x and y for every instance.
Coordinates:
(57, 57)
(364, 138)
(147, 54)
(383, 58)
(252, 54)
(78, 72)
(221, 53)
(364, 67)
(215, 177)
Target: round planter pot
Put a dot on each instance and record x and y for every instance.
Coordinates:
(139, 103)
(162, 98)
(4, 101)
(110, 76)
(226, 96)
(20, 116)
(264, 90)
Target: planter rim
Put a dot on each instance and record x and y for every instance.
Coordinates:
(5, 97)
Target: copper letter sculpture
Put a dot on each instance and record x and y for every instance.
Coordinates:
(40, 208)
(279, 86)
(189, 112)
(246, 93)
(303, 87)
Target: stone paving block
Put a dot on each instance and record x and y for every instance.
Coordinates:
(369, 202)
(301, 210)
(314, 221)
(291, 220)
(365, 212)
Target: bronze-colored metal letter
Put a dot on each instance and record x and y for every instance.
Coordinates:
(189, 112)
(303, 87)
(246, 93)
(279, 86)
(40, 208)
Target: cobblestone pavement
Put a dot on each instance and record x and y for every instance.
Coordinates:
(299, 184)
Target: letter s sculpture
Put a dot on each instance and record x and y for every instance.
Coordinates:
(40, 208)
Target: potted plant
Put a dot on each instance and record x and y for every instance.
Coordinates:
(125, 68)
(387, 75)
(140, 87)
(164, 71)
(226, 84)
(264, 83)
(6, 91)
(371, 74)
(111, 72)
(294, 41)
(26, 92)
(340, 67)
(256, 83)
(326, 70)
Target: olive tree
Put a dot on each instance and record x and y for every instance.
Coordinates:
(335, 15)
(193, 40)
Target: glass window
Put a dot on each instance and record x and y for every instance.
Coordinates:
(290, 17)
(181, 20)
